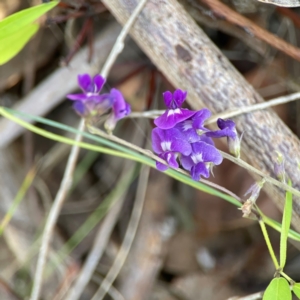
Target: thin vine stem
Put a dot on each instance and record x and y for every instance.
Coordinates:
(269, 179)
(268, 242)
(127, 154)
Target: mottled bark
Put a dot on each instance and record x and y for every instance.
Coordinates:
(187, 57)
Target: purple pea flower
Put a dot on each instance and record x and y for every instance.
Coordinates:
(174, 113)
(193, 127)
(200, 161)
(90, 102)
(168, 144)
(227, 129)
(120, 109)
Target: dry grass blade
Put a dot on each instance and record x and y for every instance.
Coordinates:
(53, 215)
(68, 175)
(230, 15)
(100, 243)
(129, 235)
(286, 3)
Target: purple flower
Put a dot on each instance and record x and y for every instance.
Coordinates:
(202, 158)
(174, 114)
(193, 127)
(120, 109)
(90, 87)
(227, 129)
(168, 144)
(90, 102)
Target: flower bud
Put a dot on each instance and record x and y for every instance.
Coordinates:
(234, 146)
(254, 190)
(279, 167)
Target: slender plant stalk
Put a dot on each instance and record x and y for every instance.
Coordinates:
(19, 197)
(102, 238)
(129, 236)
(269, 179)
(288, 278)
(128, 154)
(259, 106)
(68, 174)
(150, 154)
(268, 242)
(229, 113)
(66, 184)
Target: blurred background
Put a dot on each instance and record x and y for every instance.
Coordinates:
(187, 244)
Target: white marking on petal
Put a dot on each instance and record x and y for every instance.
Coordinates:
(173, 112)
(186, 125)
(169, 156)
(166, 146)
(197, 157)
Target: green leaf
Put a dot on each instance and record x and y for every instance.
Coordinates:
(23, 18)
(296, 290)
(17, 29)
(286, 222)
(278, 289)
(12, 44)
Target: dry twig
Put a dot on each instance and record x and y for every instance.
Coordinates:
(223, 11)
(152, 114)
(67, 177)
(100, 243)
(129, 236)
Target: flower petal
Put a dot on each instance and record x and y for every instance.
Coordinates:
(98, 83)
(181, 146)
(77, 97)
(179, 97)
(170, 157)
(206, 139)
(222, 124)
(171, 117)
(198, 170)
(209, 153)
(79, 108)
(160, 166)
(186, 128)
(169, 140)
(157, 137)
(226, 132)
(168, 97)
(85, 82)
(186, 162)
(120, 107)
(227, 129)
(199, 119)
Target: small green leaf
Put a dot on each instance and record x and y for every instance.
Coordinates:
(12, 44)
(296, 290)
(286, 222)
(23, 18)
(278, 289)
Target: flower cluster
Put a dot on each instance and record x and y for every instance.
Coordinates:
(90, 103)
(180, 136)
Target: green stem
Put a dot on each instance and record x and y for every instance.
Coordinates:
(288, 278)
(268, 242)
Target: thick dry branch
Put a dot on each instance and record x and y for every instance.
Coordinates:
(186, 56)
